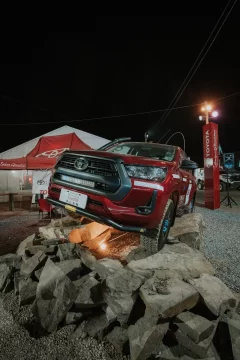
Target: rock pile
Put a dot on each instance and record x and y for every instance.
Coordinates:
(165, 306)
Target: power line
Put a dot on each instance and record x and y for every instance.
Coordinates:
(164, 134)
(117, 116)
(183, 86)
(227, 96)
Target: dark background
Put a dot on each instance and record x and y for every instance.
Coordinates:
(118, 65)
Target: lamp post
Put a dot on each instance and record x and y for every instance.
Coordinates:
(207, 108)
(211, 158)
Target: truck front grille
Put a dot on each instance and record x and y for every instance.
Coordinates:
(96, 166)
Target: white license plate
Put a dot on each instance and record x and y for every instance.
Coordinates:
(73, 198)
(78, 181)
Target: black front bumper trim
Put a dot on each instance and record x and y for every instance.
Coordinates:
(148, 209)
(100, 219)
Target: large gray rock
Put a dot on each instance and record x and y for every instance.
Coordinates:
(145, 339)
(11, 260)
(47, 232)
(124, 281)
(73, 317)
(138, 254)
(236, 349)
(121, 292)
(66, 221)
(197, 350)
(5, 275)
(71, 268)
(111, 316)
(98, 326)
(59, 229)
(173, 353)
(120, 304)
(196, 327)
(180, 258)
(66, 251)
(232, 343)
(54, 297)
(87, 258)
(79, 332)
(189, 230)
(79, 282)
(212, 353)
(216, 295)
(167, 297)
(37, 274)
(185, 357)
(16, 278)
(89, 293)
(166, 354)
(106, 267)
(119, 339)
(34, 263)
(24, 245)
(27, 291)
(48, 250)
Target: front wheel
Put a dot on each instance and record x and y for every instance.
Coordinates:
(155, 239)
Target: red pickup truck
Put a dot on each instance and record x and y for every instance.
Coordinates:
(131, 186)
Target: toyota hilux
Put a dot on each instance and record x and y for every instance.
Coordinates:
(130, 186)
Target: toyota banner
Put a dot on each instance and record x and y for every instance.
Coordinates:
(41, 182)
(211, 166)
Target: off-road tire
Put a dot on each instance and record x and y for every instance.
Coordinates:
(154, 239)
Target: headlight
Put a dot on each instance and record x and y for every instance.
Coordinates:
(146, 172)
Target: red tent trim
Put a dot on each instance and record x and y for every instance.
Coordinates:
(45, 153)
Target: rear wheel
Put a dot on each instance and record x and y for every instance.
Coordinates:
(191, 207)
(155, 239)
(200, 185)
(222, 186)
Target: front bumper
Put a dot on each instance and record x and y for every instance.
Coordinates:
(100, 219)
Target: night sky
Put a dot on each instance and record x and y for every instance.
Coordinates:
(119, 65)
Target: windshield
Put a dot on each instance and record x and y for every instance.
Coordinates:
(150, 150)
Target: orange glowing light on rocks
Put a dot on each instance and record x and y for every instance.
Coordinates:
(103, 246)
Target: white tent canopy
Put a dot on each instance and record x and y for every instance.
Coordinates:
(14, 180)
(93, 141)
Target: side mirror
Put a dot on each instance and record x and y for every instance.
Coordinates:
(189, 165)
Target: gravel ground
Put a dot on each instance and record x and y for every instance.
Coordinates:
(222, 243)
(17, 344)
(15, 228)
(20, 337)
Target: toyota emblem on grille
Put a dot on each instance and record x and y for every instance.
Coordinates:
(81, 164)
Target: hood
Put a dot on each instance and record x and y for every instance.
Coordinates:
(126, 159)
